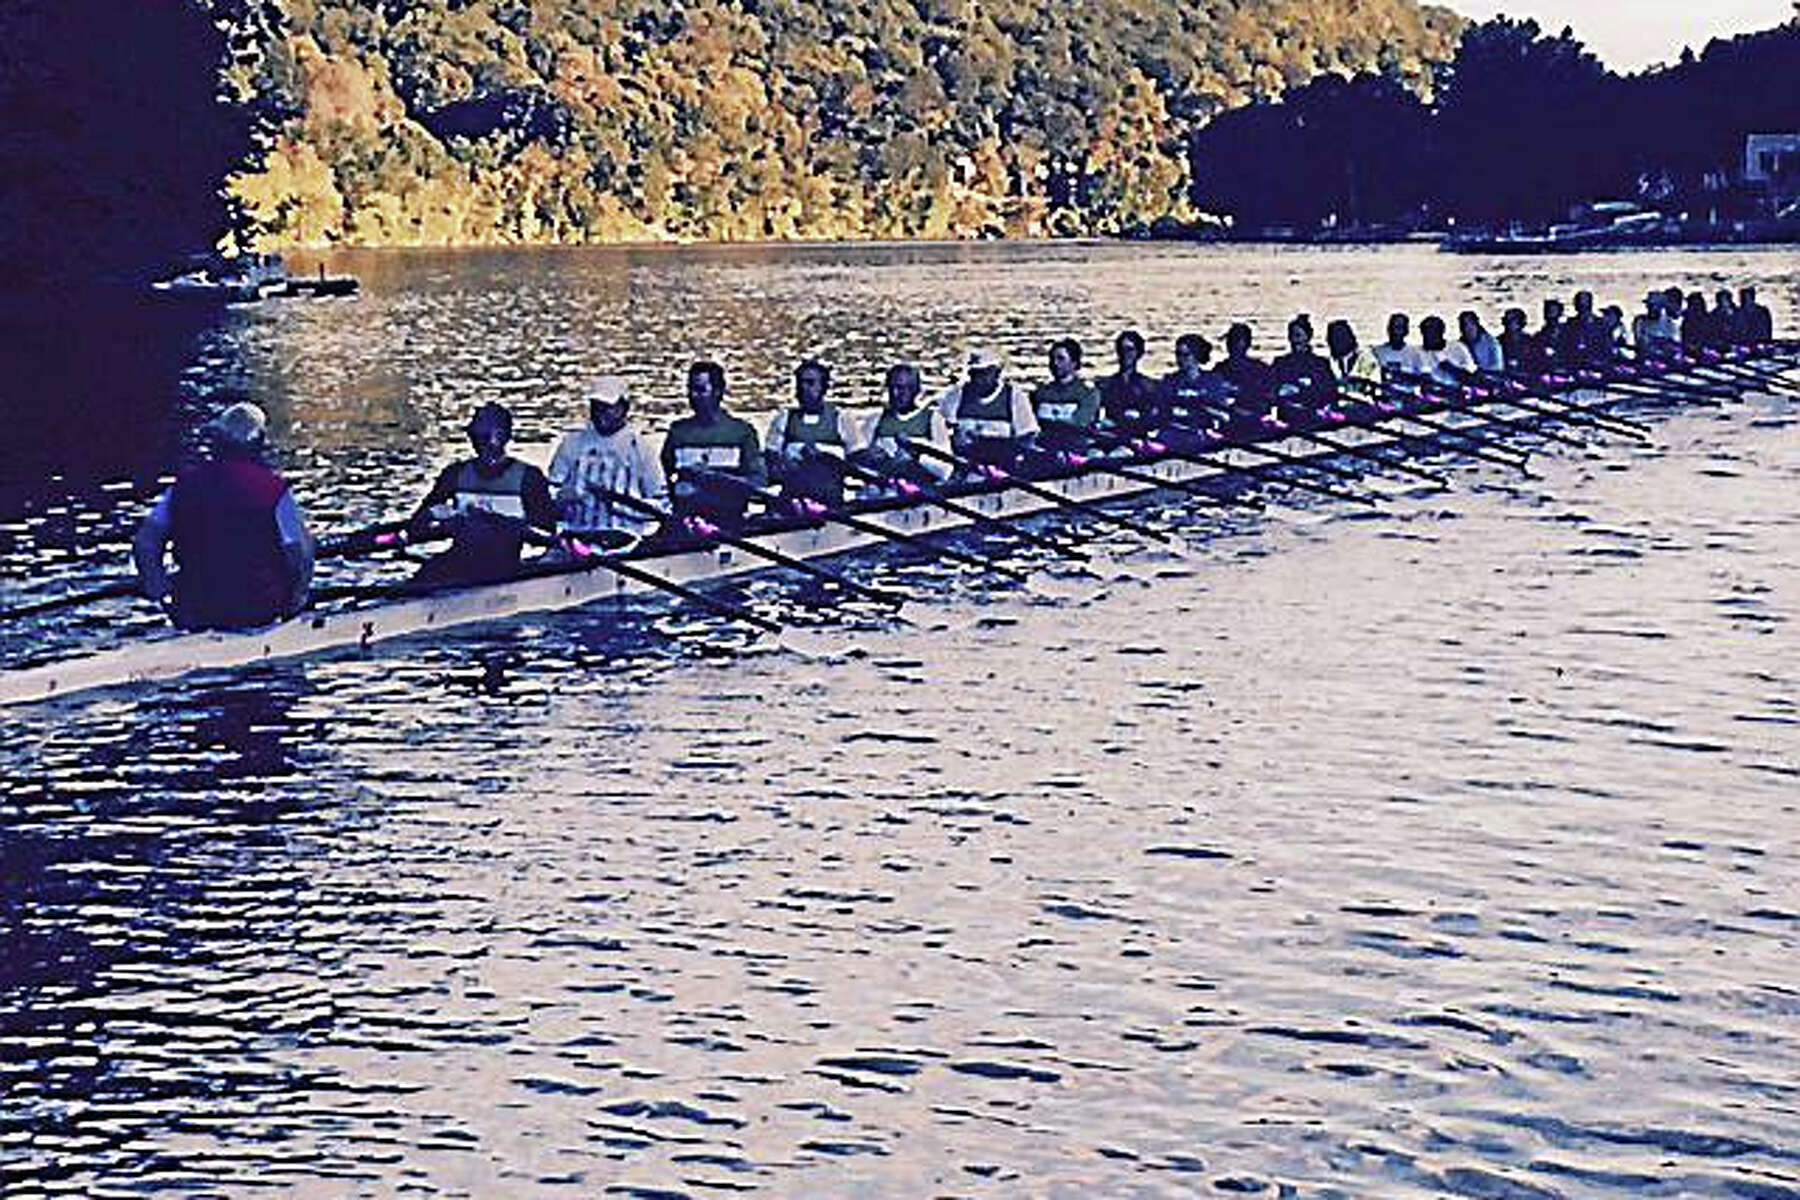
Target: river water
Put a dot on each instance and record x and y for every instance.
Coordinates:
(1443, 848)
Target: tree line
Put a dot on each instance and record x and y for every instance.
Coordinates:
(1519, 125)
(400, 122)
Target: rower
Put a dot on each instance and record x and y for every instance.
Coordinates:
(1195, 402)
(1518, 349)
(488, 504)
(1248, 375)
(1618, 341)
(713, 459)
(807, 443)
(1549, 337)
(990, 421)
(1303, 377)
(1759, 322)
(1654, 332)
(242, 550)
(1399, 360)
(1583, 340)
(603, 459)
(1129, 398)
(1696, 324)
(1357, 371)
(1434, 351)
(1068, 406)
(886, 442)
(1727, 321)
(1475, 351)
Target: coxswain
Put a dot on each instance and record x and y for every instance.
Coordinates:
(713, 460)
(1129, 398)
(990, 421)
(1196, 402)
(1398, 359)
(1303, 377)
(1067, 406)
(604, 459)
(1759, 322)
(888, 441)
(807, 444)
(488, 505)
(242, 552)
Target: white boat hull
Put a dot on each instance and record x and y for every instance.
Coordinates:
(317, 633)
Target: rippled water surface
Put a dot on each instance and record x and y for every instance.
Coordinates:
(1441, 848)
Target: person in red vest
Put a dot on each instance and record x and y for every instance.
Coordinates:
(242, 552)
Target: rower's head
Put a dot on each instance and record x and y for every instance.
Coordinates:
(903, 387)
(1191, 353)
(1300, 334)
(811, 379)
(1746, 297)
(1512, 320)
(1724, 301)
(1398, 327)
(1468, 326)
(1696, 304)
(489, 429)
(1673, 300)
(1553, 312)
(240, 430)
(706, 388)
(1128, 348)
(1340, 339)
(984, 372)
(1237, 340)
(609, 404)
(1613, 316)
(1431, 333)
(1653, 305)
(1584, 304)
(1065, 359)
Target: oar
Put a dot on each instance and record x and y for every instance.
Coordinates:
(712, 604)
(1043, 493)
(1456, 399)
(1528, 395)
(712, 533)
(1372, 457)
(968, 512)
(837, 516)
(1735, 369)
(353, 543)
(1276, 457)
(586, 560)
(106, 591)
(1198, 490)
(1463, 441)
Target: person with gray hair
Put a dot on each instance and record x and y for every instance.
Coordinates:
(242, 552)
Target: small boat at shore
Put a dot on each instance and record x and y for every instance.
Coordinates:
(654, 567)
(245, 279)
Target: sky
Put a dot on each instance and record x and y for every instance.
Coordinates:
(1631, 34)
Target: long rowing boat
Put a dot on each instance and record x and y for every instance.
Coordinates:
(549, 587)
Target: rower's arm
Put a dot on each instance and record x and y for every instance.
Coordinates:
(756, 472)
(297, 549)
(442, 492)
(149, 546)
(540, 508)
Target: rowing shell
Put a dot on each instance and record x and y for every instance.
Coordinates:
(318, 633)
